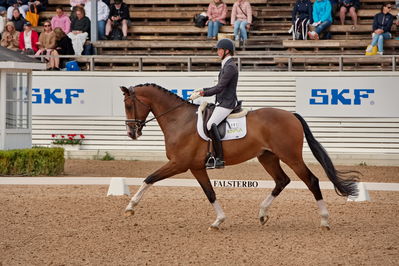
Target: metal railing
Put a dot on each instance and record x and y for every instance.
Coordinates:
(274, 62)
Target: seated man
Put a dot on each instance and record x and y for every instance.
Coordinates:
(348, 5)
(119, 14)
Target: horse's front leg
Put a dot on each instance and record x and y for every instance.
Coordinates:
(203, 179)
(168, 170)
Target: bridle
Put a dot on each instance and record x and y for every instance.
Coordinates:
(138, 123)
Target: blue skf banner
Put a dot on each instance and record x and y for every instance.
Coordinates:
(347, 96)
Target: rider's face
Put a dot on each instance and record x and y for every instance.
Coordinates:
(220, 53)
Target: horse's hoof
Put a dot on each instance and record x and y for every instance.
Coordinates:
(263, 219)
(325, 227)
(213, 228)
(129, 213)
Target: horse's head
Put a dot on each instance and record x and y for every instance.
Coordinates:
(136, 112)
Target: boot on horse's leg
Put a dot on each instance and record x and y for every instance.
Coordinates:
(217, 148)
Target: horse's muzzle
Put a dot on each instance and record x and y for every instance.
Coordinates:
(133, 132)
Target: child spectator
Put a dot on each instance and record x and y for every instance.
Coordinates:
(21, 5)
(28, 40)
(301, 18)
(61, 20)
(381, 28)
(241, 19)
(348, 5)
(102, 16)
(18, 20)
(80, 29)
(10, 37)
(217, 12)
(46, 42)
(63, 47)
(118, 14)
(322, 19)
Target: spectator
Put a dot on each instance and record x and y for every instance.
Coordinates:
(241, 19)
(21, 5)
(348, 5)
(18, 20)
(63, 47)
(322, 19)
(102, 16)
(118, 14)
(75, 4)
(2, 22)
(47, 41)
(39, 4)
(381, 28)
(28, 40)
(10, 37)
(61, 20)
(80, 30)
(3, 7)
(301, 18)
(217, 12)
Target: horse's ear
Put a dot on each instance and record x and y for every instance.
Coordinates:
(124, 90)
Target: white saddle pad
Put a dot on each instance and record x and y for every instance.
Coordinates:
(236, 128)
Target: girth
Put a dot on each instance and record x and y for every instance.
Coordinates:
(207, 113)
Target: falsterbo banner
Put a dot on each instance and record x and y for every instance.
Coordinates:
(347, 96)
(96, 95)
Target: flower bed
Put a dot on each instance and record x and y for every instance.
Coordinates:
(69, 139)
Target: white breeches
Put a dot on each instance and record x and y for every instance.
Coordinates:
(218, 115)
(78, 40)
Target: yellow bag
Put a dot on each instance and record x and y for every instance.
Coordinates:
(373, 50)
(33, 17)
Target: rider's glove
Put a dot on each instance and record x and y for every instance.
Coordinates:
(196, 94)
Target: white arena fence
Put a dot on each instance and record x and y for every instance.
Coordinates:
(353, 114)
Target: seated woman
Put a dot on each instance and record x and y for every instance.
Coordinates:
(381, 28)
(241, 19)
(10, 37)
(28, 40)
(322, 19)
(348, 5)
(80, 28)
(46, 42)
(217, 12)
(63, 47)
(301, 18)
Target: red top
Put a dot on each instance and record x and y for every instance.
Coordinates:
(34, 39)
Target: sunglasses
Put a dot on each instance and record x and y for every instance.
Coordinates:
(389, 7)
(47, 25)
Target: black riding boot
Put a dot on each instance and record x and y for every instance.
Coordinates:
(217, 148)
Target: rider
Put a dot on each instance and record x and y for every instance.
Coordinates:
(226, 97)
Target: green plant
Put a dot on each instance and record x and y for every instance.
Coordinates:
(36, 161)
(107, 157)
(71, 139)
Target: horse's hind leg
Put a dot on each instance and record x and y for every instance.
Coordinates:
(203, 179)
(312, 182)
(271, 163)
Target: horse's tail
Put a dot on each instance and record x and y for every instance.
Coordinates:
(343, 186)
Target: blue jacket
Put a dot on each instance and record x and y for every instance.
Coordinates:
(383, 21)
(302, 10)
(322, 11)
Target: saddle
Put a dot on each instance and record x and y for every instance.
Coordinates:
(207, 113)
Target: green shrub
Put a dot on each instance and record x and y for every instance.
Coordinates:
(32, 162)
(108, 157)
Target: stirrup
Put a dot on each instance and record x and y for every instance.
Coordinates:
(211, 162)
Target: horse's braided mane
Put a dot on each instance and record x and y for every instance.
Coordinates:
(165, 91)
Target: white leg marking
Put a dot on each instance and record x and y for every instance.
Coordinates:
(137, 197)
(220, 216)
(324, 214)
(265, 205)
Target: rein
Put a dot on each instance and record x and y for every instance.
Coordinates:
(142, 123)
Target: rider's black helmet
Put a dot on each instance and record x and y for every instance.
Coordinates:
(226, 44)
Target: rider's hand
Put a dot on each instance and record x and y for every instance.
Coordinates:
(196, 94)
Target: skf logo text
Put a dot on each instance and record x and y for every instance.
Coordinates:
(56, 96)
(340, 96)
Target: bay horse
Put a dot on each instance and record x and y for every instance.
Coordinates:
(273, 135)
